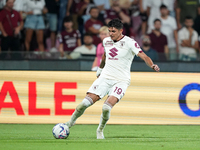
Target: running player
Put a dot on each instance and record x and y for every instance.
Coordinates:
(113, 74)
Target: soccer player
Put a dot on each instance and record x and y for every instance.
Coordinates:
(113, 74)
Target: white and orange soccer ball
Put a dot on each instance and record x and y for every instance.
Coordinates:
(60, 131)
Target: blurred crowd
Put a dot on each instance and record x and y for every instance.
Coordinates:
(167, 30)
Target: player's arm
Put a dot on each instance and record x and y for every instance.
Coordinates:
(61, 50)
(103, 62)
(93, 30)
(148, 61)
(79, 42)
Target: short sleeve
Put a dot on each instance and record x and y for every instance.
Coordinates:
(103, 43)
(79, 34)
(19, 17)
(1, 16)
(149, 3)
(87, 25)
(195, 37)
(174, 25)
(61, 38)
(180, 36)
(134, 46)
(165, 40)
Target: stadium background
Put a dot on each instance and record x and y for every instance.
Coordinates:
(152, 98)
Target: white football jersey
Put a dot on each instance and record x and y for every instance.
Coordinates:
(119, 57)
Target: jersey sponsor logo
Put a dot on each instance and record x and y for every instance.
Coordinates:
(108, 43)
(122, 43)
(66, 36)
(95, 87)
(113, 53)
(136, 45)
(97, 26)
(75, 35)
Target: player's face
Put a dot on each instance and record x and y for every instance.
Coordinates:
(103, 35)
(114, 33)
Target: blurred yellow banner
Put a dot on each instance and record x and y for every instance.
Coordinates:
(52, 96)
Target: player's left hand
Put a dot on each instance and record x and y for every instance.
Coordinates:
(155, 67)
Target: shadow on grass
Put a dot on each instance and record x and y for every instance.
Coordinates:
(130, 137)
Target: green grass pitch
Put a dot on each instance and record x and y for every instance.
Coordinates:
(83, 137)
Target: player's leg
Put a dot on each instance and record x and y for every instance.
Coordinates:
(115, 94)
(95, 92)
(89, 100)
(106, 109)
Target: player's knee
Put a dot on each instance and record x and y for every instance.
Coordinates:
(87, 101)
(106, 109)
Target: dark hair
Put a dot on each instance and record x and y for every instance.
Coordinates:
(87, 34)
(188, 18)
(156, 20)
(116, 23)
(67, 19)
(163, 6)
(94, 7)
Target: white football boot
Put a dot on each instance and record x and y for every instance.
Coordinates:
(100, 134)
(69, 124)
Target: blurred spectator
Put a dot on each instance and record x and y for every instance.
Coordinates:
(70, 38)
(159, 41)
(83, 9)
(52, 11)
(2, 3)
(186, 8)
(169, 28)
(153, 10)
(103, 33)
(136, 21)
(93, 25)
(62, 14)
(34, 22)
(147, 49)
(117, 12)
(10, 25)
(102, 6)
(188, 41)
(172, 8)
(197, 21)
(19, 6)
(87, 49)
(73, 11)
(143, 14)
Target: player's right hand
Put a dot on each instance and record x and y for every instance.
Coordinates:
(155, 67)
(98, 72)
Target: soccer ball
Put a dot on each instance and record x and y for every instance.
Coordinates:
(60, 131)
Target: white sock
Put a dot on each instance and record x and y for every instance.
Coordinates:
(104, 116)
(87, 101)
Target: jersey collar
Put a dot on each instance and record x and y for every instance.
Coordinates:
(119, 39)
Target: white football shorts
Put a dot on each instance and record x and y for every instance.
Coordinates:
(103, 87)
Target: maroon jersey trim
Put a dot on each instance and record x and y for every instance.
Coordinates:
(120, 39)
